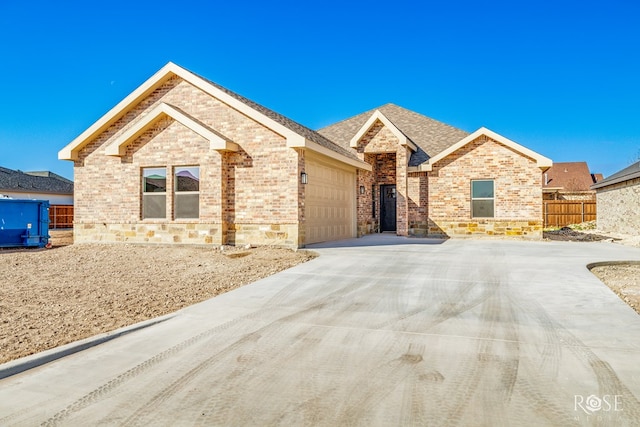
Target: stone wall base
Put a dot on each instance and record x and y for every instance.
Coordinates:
(445, 227)
(367, 227)
(283, 235)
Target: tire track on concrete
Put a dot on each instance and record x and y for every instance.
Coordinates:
(270, 334)
(464, 385)
(106, 389)
(272, 356)
(608, 381)
(339, 313)
(371, 388)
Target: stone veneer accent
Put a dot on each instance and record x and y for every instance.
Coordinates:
(187, 233)
(191, 233)
(618, 207)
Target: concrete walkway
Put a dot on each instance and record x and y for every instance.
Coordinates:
(376, 331)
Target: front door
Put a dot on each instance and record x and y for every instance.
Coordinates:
(387, 208)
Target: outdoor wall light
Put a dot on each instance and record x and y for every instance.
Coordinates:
(362, 189)
(303, 178)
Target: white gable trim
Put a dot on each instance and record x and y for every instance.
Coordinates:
(543, 163)
(119, 146)
(314, 146)
(377, 115)
(70, 152)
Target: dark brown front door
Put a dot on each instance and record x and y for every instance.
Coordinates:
(387, 208)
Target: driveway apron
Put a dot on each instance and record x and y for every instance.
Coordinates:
(376, 331)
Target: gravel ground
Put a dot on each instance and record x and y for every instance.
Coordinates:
(50, 297)
(624, 280)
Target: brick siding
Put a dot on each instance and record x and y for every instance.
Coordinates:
(517, 192)
(237, 197)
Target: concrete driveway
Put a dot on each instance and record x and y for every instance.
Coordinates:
(377, 331)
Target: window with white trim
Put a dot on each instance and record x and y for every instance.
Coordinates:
(186, 200)
(482, 198)
(154, 193)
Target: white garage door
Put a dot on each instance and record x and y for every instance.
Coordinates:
(329, 200)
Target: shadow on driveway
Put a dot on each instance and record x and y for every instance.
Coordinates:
(378, 239)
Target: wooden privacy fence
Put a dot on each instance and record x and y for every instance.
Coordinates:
(60, 216)
(559, 213)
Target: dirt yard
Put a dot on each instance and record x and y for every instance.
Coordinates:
(50, 297)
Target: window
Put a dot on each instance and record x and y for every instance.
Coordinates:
(187, 192)
(154, 193)
(482, 198)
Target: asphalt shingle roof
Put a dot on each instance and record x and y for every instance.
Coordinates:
(431, 136)
(626, 174)
(35, 182)
(296, 127)
(570, 176)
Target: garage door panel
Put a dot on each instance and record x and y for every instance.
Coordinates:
(329, 201)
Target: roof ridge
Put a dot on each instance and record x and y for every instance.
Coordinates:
(426, 117)
(371, 111)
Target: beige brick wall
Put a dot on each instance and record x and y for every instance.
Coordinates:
(618, 207)
(418, 203)
(378, 139)
(256, 186)
(381, 148)
(517, 187)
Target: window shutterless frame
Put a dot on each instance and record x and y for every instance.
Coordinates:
(482, 198)
(154, 193)
(186, 198)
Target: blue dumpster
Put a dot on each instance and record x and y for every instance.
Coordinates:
(24, 223)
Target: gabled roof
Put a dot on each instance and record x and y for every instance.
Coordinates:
(296, 134)
(34, 182)
(378, 116)
(430, 136)
(217, 141)
(568, 176)
(626, 174)
(542, 162)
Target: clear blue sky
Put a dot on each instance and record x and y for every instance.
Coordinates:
(560, 77)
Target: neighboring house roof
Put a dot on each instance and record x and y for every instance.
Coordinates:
(429, 139)
(568, 176)
(34, 182)
(626, 174)
(296, 134)
(429, 135)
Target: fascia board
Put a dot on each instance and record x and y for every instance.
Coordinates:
(542, 162)
(377, 115)
(70, 151)
(618, 180)
(314, 146)
(119, 145)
